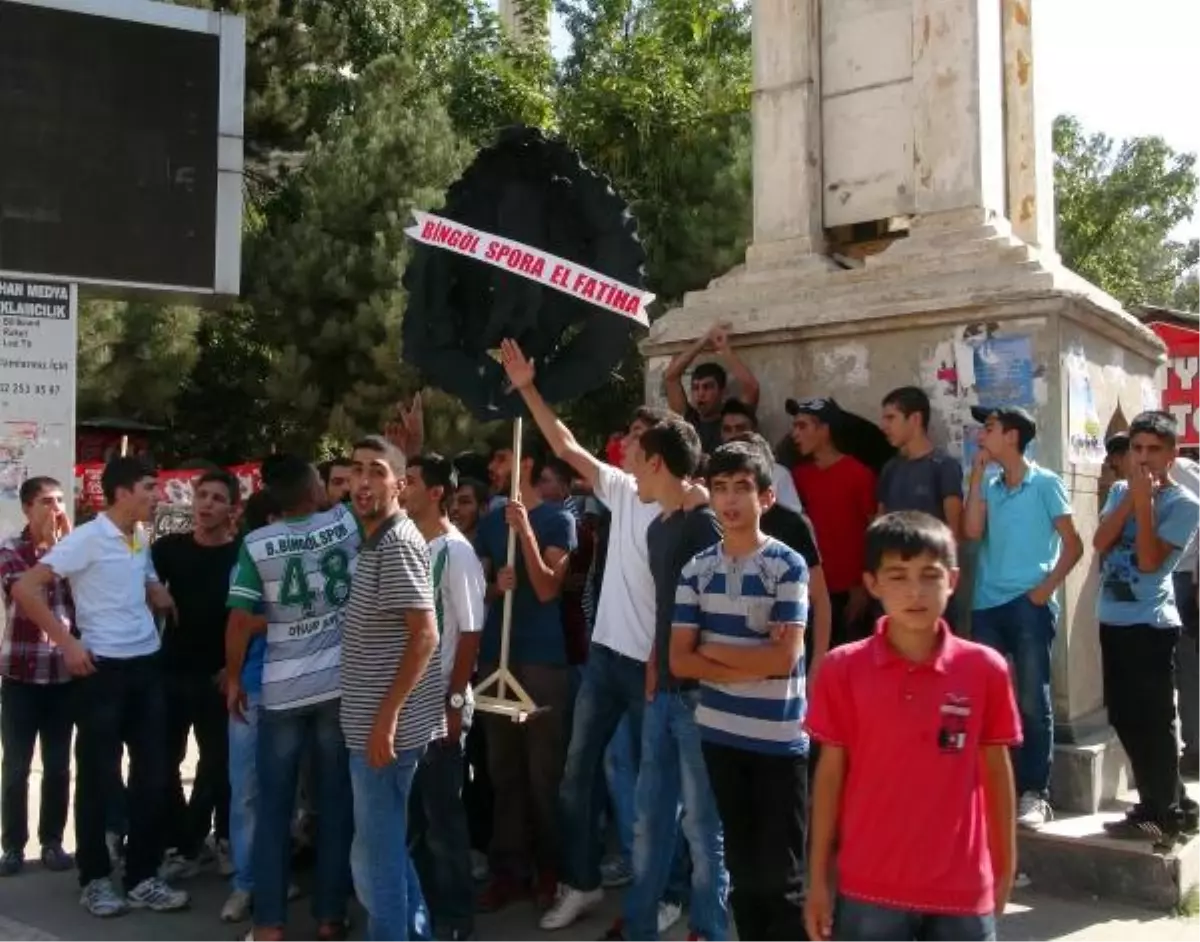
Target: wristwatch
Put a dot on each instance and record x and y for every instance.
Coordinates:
(457, 701)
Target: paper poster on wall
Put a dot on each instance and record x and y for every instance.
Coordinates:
(37, 389)
(1003, 368)
(1085, 436)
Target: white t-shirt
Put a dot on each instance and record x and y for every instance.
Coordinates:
(1186, 473)
(108, 576)
(785, 488)
(459, 586)
(625, 615)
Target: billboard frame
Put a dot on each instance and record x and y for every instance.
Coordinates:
(230, 31)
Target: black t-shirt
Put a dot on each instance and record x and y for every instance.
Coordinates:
(198, 578)
(709, 430)
(671, 543)
(794, 529)
(920, 483)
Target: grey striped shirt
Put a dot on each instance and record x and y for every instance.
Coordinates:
(392, 577)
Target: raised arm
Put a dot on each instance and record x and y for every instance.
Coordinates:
(560, 439)
(974, 522)
(747, 384)
(676, 394)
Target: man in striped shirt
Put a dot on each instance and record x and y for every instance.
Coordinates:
(393, 690)
(299, 568)
(740, 612)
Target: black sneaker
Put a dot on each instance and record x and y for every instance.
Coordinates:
(11, 863)
(1134, 828)
(55, 859)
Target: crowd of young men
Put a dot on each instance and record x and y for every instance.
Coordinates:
(320, 645)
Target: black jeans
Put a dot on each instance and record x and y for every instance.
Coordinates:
(29, 712)
(195, 704)
(1139, 690)
(122, 703)
(441, 840)
(762, 800)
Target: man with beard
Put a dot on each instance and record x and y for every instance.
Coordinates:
(195, 567)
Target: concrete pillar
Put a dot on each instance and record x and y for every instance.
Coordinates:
(786, 113)
(1028, 144)
(958, 106)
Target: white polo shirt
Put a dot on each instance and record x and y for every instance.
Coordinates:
(108, 576)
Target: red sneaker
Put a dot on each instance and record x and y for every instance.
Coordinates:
(500, 892)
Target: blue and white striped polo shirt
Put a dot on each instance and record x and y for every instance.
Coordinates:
(736, 600)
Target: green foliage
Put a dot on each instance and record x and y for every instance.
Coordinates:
(325, 271)
(1117, 206)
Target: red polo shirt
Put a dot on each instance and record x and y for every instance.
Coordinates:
(912, 826)
(840, 502)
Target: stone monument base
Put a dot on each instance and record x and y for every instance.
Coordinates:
(973, 315)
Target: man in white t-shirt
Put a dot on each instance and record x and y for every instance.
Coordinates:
(118, 686)
(442, 842)
(614, 677)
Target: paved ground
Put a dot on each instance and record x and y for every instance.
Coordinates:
(38, 905)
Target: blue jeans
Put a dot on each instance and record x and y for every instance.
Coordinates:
(1020, 630)
(620, 775)
(384, 875)
(613, 686)
(670, 735)
(243, 794)
(283, 737)
(857, 921)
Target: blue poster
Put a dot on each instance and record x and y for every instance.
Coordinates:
(1004, 372)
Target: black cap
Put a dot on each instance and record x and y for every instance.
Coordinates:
(825, 409)
(1116, 444)
(1013, 418)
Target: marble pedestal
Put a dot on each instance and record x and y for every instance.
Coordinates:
(933, 310)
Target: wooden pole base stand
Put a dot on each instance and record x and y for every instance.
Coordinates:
(519, 707)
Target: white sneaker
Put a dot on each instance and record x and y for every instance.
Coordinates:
(153, 893)
(668, 915)
(237, 907)
(1033, 810)
(177, 867)
(100, 898)
(570, 905)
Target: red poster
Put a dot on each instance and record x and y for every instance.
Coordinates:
(1181, 395)
(174, 487)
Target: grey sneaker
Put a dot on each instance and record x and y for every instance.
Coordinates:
(237, 907)
(101, 899)
(177, 867)
(615, 871)
(153, 893)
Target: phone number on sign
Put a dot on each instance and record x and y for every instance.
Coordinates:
(30, 389)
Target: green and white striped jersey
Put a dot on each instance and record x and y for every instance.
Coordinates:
(298, 573)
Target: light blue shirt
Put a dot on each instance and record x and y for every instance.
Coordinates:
(1129, 596)
(1021, 544)
(108, 576)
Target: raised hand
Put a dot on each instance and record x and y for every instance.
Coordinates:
(407, 431)
(520, 371)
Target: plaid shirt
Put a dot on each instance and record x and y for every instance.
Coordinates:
(27, 654)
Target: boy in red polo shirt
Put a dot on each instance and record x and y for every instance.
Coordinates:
(936, 859)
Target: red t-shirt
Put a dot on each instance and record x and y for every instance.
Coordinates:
(912, 827)
(840, 502)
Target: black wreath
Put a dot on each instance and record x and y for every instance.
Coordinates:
(536, 191)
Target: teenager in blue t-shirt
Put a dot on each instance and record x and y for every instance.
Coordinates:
(525, 760)
(1145, 525)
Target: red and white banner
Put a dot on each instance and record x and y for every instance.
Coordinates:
(1181, 395)
(534, 264)
(174, 487)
